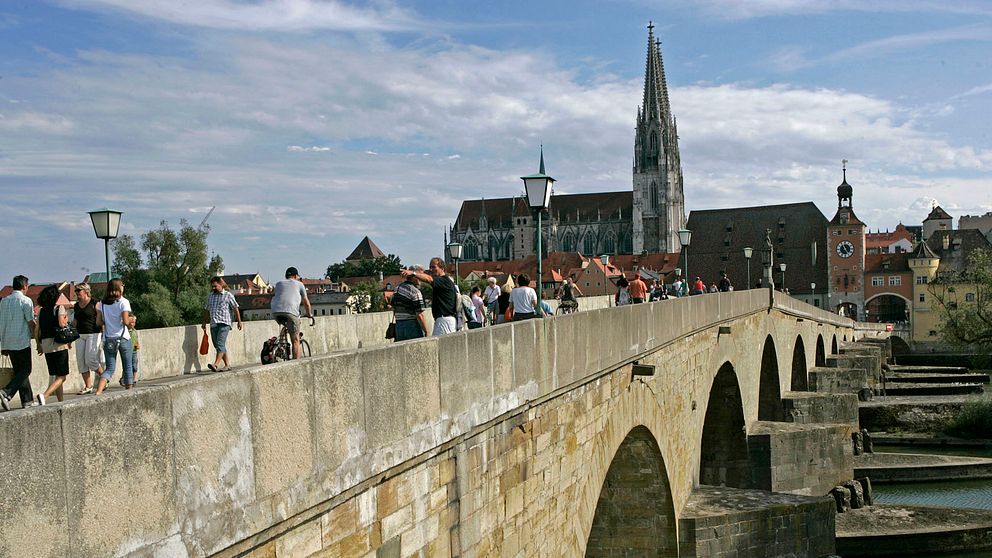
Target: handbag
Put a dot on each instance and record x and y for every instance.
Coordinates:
(205, 344)
(66, 334)
(391, 330)
(508, 315)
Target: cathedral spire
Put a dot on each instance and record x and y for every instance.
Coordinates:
(542, 159)
(655, 85)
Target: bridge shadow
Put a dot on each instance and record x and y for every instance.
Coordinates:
(769, 390)
(635, 515)
(800, 380)
(821, 357)
(723, 457)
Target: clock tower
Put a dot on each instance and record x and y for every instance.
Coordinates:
(846, 256)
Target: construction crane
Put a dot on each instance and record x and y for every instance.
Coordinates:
(203, 223)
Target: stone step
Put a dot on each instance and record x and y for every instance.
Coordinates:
(806, 407)
(723, 521)
(921, 378)
(929, 369)
(897, 388)
(806, 459)
(837, 380)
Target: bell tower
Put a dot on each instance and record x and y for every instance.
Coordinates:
(846, 256)
(659, 204)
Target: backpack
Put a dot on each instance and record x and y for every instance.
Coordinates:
(269, 351)
(623, 297)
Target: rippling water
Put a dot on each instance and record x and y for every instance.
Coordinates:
(959, 494)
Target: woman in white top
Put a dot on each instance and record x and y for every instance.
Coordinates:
(115, 312)
(523, 299)
(492, 299)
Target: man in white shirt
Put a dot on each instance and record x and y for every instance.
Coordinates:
(289, 294)
(17, 326)
(523, 299)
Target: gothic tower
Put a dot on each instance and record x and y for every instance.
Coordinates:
(659, 204)
(846, 256)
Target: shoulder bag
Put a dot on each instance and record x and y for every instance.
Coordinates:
(65, 334)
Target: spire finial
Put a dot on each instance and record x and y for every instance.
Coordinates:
(844, 165)
(650, 26)
(542, 159)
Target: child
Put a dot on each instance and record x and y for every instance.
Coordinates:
(136, 345)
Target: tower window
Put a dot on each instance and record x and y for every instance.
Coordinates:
(923, 297)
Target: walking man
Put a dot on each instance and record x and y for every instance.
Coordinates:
(17, 327)
(88, 347)
(289, 294)
(638, 289)
(444, 300)
(724, 285)
(217, 311)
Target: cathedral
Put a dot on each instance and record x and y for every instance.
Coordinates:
(645, 219)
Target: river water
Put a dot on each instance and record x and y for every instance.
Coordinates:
(958, 494)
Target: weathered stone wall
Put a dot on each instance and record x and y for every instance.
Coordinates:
(805, 408)
(807, 459)
(494, 440)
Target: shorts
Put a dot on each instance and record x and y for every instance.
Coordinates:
(89, 352)
(444, 325)
(58, 363)
(218, 332)
(291, 321)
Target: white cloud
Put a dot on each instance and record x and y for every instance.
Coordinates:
(35, 122)
(311, 149)
(453, 157)
(737, 9)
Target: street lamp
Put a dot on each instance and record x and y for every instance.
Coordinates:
(106, 225)
(685, 236)
(455, 249)
(538, 188)
(747, 256)
(781, 267)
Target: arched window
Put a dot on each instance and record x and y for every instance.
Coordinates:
(609, 244)
(568, 242)
(588, 245)
(626, 244)
(654, 195)
(471, 249)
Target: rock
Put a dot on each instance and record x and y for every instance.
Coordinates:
(865, 394)
(858, 443)
(865, 483)
(857, 494)
(842, 497)
(867, 444)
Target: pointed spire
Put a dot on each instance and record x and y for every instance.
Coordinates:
(655, 85)
(542, 159)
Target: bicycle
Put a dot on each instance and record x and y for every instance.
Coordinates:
(567, 307)
(281, 348)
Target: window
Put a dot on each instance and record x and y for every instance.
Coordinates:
(969, 297)
(588, 244)
(895, 281)
(877, 281)
(816, 302)
(609, 245)
(923, 297)
(836, 232)
(933, 333)
(723, 258)
(654, 196)
(852, 232)
(922, 280)
(568, 243)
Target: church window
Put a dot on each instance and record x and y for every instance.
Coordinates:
(609, 245)
(654, 195)
(626, 244)
(588, 245)
(471, 249)
(568, 243)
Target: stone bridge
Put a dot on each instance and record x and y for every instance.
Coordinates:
(656, 429)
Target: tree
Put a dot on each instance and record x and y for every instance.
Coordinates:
(965, 320)
(367, 297)
(387, 265)
(168, 278)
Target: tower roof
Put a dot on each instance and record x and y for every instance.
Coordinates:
(366, 250)
(924, 251)
(845, 191)
(937, 213)
(655, 101)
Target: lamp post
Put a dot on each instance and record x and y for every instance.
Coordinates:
(781, 267)
(812, 290)
(455, 249)
(106, 225)
(747, 256)
(685, 236)
(538, 188)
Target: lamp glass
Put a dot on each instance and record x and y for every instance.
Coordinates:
(538, 189)
(748, 251)
(455, 249)
(781, 267)
(605, 259)
(685, 236)
(106, 223)
(812, 286)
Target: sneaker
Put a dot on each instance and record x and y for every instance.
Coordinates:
(4, 402)
(86, 391)
(31, 404)
(40, 398)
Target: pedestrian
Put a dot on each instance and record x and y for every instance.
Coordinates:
(17, 327)
(724, 285)
(503, 303)
(51, 317)
(408, 309)
(568, 295)
(217, 313)
(523, 300)
(546, 309)
(115, 312)
(698, 287)
(713, 288)
(479, 307)
(89, 353)
(289, 295)
(638, 289)
(444, 298)
(622, 296)
(678, 287)
(491, 296)
(132, 330)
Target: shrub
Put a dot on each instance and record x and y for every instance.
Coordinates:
(974, 420)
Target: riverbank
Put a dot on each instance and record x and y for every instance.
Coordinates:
(914, 467)
(903, 530)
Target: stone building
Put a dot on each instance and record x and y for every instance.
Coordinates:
(645, 219)
(938, 220)
(981, 222)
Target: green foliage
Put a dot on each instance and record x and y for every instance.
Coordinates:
(974, 420)
(367, 297)
(963, 322)
(167, 278)
(388, 265)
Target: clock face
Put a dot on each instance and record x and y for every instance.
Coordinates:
(845, 249)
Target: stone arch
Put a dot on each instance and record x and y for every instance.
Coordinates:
(899, 345)
(845, 338)
(800, 381)
(833, 346)
(635, 514)
(723, 459)
(821, 357)
(769, 389)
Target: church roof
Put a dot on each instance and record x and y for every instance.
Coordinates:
(366, 250)
(500, 212)
(937, 213)
(795, 228)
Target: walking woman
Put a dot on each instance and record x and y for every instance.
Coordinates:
(88, 348)
(51, 317)
(115, 311)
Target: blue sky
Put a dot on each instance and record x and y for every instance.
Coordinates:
(311, 123)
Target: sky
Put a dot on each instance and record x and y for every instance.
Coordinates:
(312, 123)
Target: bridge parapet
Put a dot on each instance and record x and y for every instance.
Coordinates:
(195, 466)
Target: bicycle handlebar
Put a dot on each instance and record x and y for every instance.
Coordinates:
(313, 320)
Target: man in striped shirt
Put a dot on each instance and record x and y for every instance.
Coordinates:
(217, 311)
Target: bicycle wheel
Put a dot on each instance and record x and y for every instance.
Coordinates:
(304, 348)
